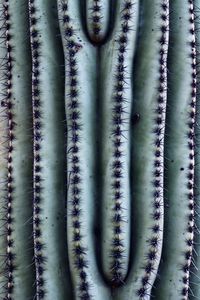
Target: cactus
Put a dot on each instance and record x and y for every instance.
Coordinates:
(99, 150)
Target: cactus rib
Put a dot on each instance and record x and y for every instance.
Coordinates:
(37, 125)
(3, 151)
(148, 128)
(116, 58)
(5, 265)
(50, 255)
(179, 153)
(97, 14)
(20, 272)
(153, 253)
(10, 167)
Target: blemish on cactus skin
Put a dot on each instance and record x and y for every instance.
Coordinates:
(136, 118)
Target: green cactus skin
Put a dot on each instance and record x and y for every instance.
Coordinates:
(50, 254)
(194, 272)
(116, 62)
(80, 65)
(179, 154)
(97, 14)
(148, 126)
(19, 272)
(98, 124)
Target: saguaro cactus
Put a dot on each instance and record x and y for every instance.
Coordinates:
(99, 149)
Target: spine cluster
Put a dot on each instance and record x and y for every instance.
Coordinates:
(96, 18)
(119, 117)
(37, 124)
(74, 133)
(190, 173)
(154, 243)
(10, 116)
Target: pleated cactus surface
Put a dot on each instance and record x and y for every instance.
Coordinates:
(99, 149)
